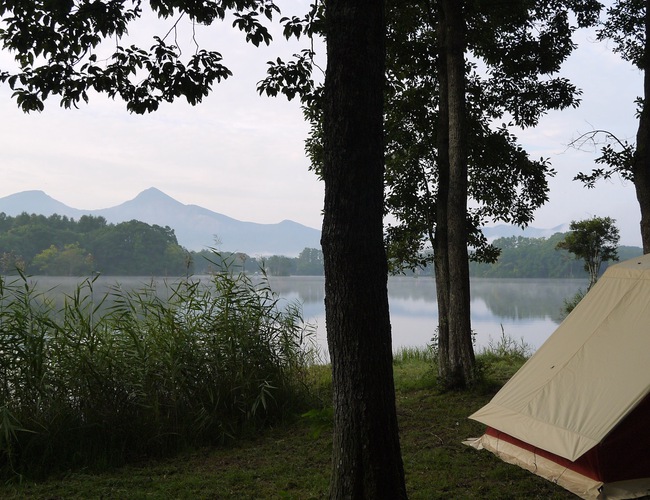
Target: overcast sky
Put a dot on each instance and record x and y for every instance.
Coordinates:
(242, 155)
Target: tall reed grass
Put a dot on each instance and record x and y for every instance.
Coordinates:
(500, 359)
(100, 381)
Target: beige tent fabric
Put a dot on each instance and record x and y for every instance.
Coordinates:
(582, 486)
(588, 375)
(576, 483)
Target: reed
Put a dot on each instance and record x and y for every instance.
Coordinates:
(104, 380)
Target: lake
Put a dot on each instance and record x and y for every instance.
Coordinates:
(527, 310)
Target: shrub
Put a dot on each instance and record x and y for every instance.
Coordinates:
(570, 304)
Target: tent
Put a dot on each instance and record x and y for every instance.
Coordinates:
(578, 411)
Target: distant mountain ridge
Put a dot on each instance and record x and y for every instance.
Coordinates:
(196, 228)
(506, 231)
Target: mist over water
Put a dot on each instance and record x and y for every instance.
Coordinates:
(527, 310)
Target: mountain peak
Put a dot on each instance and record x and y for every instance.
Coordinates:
(195, 227)
(34, 202)
(154, 194)
(31, 193)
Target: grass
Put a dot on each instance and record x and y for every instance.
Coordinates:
(292, 459)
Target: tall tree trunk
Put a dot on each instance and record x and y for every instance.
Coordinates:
(441, 255)
(641, 167)
(366, 457)
(457, 363)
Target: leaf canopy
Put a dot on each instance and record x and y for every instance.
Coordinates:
(55, 45)
(513, 53)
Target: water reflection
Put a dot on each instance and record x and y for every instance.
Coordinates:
(523, 309)
(525, 299)
(527, 310)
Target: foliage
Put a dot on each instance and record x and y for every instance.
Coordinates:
(58, 245)
(209, 261)
(593, 240)
(414, 368)
(84, 385)
(25, 236)
(522, 45)
(69, 261)
(507, 347)
(11, 263)
(570, 304)
(627, 25)
(137, 248)
(279, 265)
(517, 46)
(499, 360)
(410, 354)
(57, 48)
(523, 257)
(68, 245)
(308, 263)
(616, 155)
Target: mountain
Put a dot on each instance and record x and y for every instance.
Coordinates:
(506, 231)
(36, 202)
(195, 227)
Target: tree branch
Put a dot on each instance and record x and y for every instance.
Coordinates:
(590, 137)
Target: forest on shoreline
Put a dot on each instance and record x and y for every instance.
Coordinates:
(60, 246)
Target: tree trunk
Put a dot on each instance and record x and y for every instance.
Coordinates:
(641, 167)
(456, 368)
(366, 459)
(441, 255)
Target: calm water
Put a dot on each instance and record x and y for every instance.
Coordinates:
(527, 310)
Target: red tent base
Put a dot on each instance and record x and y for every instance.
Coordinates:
(572, 476)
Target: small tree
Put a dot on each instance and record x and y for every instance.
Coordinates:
(595, 241)
(72, 260)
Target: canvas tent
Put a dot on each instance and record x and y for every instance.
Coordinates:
(578, 411)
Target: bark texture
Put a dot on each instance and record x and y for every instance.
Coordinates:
(456, 352)
(366, 459)
(441, 250)
(641, 167)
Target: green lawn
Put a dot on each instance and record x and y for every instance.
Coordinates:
(292, 461)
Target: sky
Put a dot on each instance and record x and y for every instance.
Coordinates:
(242, 155)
